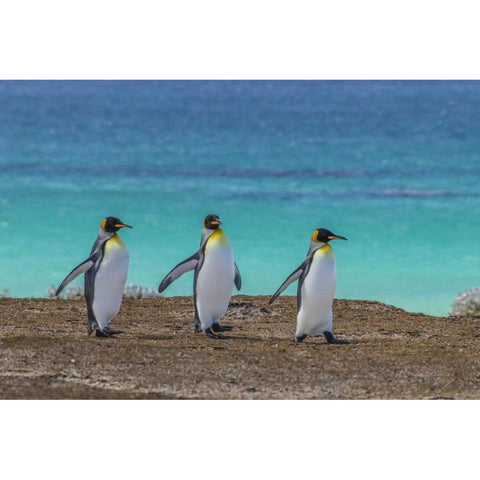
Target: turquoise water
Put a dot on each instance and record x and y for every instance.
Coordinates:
(393, 166)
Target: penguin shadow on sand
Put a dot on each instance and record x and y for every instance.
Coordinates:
(232, 338)
(155, 337)
(242, 338)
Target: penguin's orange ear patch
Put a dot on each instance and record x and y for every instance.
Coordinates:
(315, 235)
(104, 222)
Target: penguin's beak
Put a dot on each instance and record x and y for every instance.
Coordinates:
(122, 225)
(336, 237)
(216, 222)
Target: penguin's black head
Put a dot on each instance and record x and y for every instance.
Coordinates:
(212, 222)
(322, 235)
(113, 224)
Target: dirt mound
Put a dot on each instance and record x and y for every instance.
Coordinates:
(46, 353)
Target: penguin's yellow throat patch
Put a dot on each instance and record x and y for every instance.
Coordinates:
(218, 237)
(325, 251)
(114, 243)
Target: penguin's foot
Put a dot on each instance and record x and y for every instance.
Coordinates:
(103, 334)
(331, 339)
(300, 339)
(211, 334)
(112, 332)
(216, 327)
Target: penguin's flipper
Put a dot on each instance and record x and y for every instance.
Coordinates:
(238, 278)
(183, 267)
(84, 267)
(295, 275)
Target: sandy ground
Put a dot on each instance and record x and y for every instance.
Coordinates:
(45, 353)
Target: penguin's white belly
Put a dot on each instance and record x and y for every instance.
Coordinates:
(317, 293)
(214, 283)
(109, 283)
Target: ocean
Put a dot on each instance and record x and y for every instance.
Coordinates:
(392, 165)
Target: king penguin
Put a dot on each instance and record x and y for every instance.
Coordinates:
(317, 277)
(105, 275)
(215, 274)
